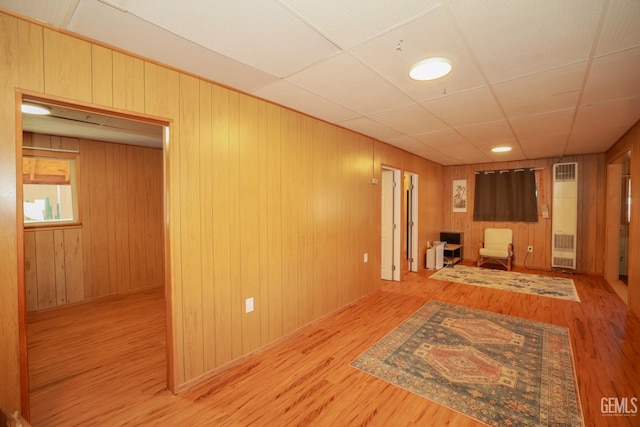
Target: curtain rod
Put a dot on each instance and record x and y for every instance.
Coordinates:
(507, 170)
(55, 150)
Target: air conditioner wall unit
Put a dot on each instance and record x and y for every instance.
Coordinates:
(564, 220)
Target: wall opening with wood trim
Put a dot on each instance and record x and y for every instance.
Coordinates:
(118, 246)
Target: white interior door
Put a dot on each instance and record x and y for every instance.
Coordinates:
(386, 258)
(412, 221)
(390, 230)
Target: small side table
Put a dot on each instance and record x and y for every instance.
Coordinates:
(452, 254)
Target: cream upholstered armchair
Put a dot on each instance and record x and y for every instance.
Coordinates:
(497, 246)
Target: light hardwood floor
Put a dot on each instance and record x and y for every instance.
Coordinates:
(103, 363)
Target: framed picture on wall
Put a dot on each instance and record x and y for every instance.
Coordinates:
(459, 195)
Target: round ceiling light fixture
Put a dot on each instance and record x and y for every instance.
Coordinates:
(430, 69)
(36, 109)
(501, 149)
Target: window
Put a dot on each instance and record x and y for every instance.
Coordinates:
(506, 195)
(49, 188)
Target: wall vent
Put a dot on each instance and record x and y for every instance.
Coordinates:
(564, 219)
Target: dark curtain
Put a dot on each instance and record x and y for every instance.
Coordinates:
(506, 196)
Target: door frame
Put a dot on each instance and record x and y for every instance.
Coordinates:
(411, 215)
(22, 304)
(612, 226)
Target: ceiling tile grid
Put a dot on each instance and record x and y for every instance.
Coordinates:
(621, 29)
(349, 83)
(349, 23)
(432, 34)
(551, 90)
(549, 77)
(517, 38)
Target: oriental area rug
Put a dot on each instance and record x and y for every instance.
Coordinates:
(497, 369)
(534, 284)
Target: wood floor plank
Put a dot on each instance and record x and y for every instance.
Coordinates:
(103, 363)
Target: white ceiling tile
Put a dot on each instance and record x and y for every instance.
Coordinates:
(620, 114)
(621, 29)
(454, 109)
(96, 20)
(349, 83)
(467, 156)
(261, 34)
(56, 13)
(348, 23)
(372, 128)
(547, 91)
(406, 143)
(433, 34)
(491, 133)
(593, 141)
(598, 127)
(614, 76)
(518, 38)
(286, 94)
(542, 146)
(542, 124)
(411, 120)
(453, 145)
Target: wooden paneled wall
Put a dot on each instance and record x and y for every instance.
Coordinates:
(119, 247)
(591, 213)
(630, 143)
(263, 202)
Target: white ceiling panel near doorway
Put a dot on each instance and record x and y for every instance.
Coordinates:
(260, 34)
(56, 13)
(97, 20)
(530, 73)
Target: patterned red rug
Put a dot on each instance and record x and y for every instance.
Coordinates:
(497, 369)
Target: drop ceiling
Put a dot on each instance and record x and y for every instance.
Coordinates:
(551, 78)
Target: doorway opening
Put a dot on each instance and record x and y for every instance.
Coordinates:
(115, 244)
(618, 215)
(390, 224)
(625, 220)
(411, 226)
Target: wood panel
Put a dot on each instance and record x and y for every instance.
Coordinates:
(190, 227)
(67, 67)
(31, 58)
(121, 203)
(128, 82)
(207, 208)
(591, 219)
(102, 75)
(249, 222)
(273, 241)
(220, 216)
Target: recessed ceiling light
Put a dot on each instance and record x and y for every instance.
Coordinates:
(501, 149)
(39, 110)
(430, 69)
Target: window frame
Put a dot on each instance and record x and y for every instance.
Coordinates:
(74, 178)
